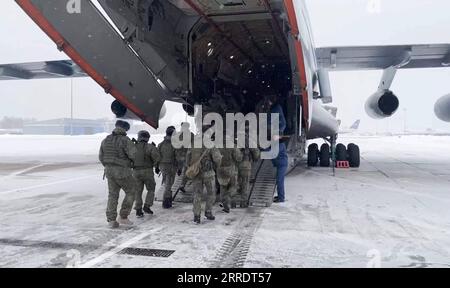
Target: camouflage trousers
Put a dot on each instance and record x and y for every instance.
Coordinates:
(168, 172)
(184, 178)
(227, 190)
(144, 177)
(208, 183)
(243, 183)
(128, 185)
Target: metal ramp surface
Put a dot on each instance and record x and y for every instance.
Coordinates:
(263, 188)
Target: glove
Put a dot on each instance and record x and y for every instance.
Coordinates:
(179, 172)
(157, 171)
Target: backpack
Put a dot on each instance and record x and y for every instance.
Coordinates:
(194, 169)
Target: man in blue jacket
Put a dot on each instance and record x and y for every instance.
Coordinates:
(281, 161)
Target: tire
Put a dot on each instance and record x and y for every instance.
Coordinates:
(313, 155)
(341, 152)
(325, 155)
(354, 156)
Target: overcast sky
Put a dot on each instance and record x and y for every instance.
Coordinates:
(335, 23)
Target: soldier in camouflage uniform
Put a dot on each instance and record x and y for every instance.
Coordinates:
(117, 154)
(147, 156)
(181, 154)
(206, 178)
(168, 166)
(250, 155)
(227, 174)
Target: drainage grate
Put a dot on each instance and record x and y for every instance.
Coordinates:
(147, 252)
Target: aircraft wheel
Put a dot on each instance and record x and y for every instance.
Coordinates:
(325, 155)
(313, 155)
(354, 156)
(341, 152)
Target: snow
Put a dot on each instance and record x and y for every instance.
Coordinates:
(395, 204)
(395, 208)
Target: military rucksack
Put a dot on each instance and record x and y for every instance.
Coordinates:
(142, 159)
(227, 157)
(194, 169)
(167, 152)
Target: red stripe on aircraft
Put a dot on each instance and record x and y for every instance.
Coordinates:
(300, 58)
(63, 45)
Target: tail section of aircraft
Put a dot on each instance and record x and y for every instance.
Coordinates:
(355, 125)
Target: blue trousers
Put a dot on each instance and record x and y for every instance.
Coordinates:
(281, 173)
(281, 163)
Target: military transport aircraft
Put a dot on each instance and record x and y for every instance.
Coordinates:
(205, 52)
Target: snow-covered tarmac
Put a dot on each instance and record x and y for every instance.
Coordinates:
(392, 212)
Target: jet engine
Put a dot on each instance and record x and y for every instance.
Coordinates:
(122, 112)
(382, 104)
(442, 108)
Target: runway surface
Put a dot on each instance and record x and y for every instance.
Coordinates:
(391, 212)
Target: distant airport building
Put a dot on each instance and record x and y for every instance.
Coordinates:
(11, 131)
(65, 126)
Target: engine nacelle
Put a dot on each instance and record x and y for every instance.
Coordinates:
(442, 108)
(122, 112)
(382, 104)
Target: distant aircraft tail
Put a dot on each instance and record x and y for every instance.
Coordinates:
(355, 125)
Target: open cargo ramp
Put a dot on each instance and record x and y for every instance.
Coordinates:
(98, 49)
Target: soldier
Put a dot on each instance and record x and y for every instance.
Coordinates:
(250, 155)
(168, 166)
(206, 158)
(117, 154)
(227, 174)
(147, 156)
(181, 153)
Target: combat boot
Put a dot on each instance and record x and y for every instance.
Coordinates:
(210, 216)
(113, 224)
(139, 213)
(148, 210)
(226, 209)
(197, 219)
(125, 222)
(166, 204)
(244, 204)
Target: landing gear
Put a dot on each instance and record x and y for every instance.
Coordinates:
(354, 155)
(325, 155)
(341, 152)
(313, 155)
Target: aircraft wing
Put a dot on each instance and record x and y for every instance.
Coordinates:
(40, 70)
(382, 57)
